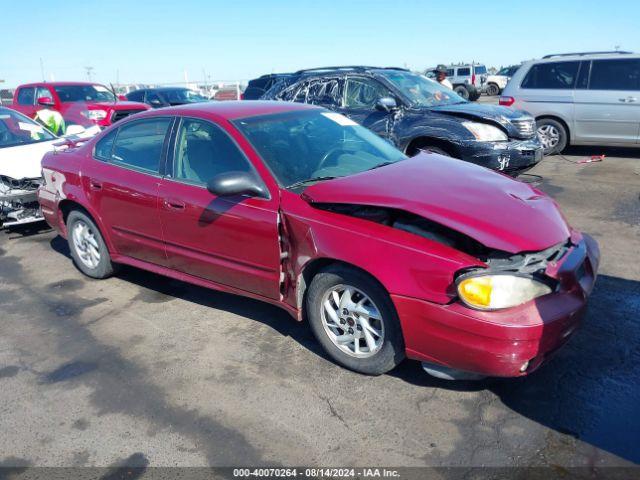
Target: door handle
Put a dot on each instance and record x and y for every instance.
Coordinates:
(95, 185)
(173, 204)
(628, 100)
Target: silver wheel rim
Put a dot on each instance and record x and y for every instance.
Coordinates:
(549, 136)
(352, 321)
(86, 244)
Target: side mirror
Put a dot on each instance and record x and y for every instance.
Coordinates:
(386, 104)
(46, 101)
(230, 184)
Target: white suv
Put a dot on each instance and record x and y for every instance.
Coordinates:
(588, 98)
(468, 80)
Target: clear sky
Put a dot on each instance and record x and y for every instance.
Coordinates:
(156, 41)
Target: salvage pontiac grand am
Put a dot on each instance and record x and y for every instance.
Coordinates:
(387, 257)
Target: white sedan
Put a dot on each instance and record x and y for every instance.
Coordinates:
(23, 143)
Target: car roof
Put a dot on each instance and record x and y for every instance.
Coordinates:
(562, 57)
(58, 84)
(231, 110)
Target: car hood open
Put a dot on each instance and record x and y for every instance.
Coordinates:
(497, 211)
(23, 161)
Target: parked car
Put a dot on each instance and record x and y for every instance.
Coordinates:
(468, 80)
(166, 96)
(497, 82)
(415, 114)
(259, 86)
(80, 103)
(386, 256)
(580, 98)
(23, 142)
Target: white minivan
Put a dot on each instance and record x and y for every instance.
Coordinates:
(580, 98)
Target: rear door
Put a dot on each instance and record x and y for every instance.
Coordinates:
(607, 105)
(122, 182)
(232, 241)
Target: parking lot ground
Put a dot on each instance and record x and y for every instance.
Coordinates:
(143, 370)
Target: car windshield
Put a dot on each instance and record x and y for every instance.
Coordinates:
(480, 69)
(306, 146)
(16, 129)
(84, 93)
(183, 96)
(421, 91)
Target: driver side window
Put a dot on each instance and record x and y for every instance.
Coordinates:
(363, 93)
(203, 151)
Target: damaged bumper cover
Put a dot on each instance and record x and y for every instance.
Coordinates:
(512, 157)
(510, 342)
(19, 202)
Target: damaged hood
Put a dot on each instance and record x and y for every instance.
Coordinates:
(502, 116)
(23, 161)
(497, 211)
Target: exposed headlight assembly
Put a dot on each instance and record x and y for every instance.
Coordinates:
(485, 132)
(94, 114)
(485, 291)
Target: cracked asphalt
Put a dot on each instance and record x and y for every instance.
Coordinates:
(140, 370)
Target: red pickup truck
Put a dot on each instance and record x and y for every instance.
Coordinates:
(79, 103)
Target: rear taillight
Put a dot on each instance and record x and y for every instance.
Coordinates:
(507, 101)
(473, 79)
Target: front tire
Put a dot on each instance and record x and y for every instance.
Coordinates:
(88, 250)
(354, 320)
(553, 135)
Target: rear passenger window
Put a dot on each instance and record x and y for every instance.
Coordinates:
(583, 76)
(555, 75)
(105, 146)
(325, 92)
(615, 75)
(138, 145)
(462, 72)
(26, 96)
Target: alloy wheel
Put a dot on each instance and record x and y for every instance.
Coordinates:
(352, 321)
(549, 136)
(86, 244)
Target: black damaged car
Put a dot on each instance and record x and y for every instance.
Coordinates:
(416, 113)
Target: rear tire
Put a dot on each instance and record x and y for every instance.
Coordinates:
(354, 320)
(88, 250)
(462, 91)
(493, 89)
(553, 135)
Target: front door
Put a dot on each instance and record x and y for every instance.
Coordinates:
(122, 182)
(608, 111)
(232, 240)
(360, 99)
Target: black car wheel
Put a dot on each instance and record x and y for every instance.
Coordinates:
(354, 320)
(462, 91)
(493, 89)
(88, 250)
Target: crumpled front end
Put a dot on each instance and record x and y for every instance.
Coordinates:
(512, 157)
(19, 202)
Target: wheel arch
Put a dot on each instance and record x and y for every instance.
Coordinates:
(312, 268)
(423, 141)
(66, 206)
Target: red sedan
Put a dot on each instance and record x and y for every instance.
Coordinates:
(386, 256)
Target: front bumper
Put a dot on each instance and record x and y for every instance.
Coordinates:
(510, 157)
(504, 343)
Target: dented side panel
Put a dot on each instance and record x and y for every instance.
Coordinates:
(382, 251)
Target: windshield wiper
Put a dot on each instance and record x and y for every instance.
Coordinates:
(309, 180)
